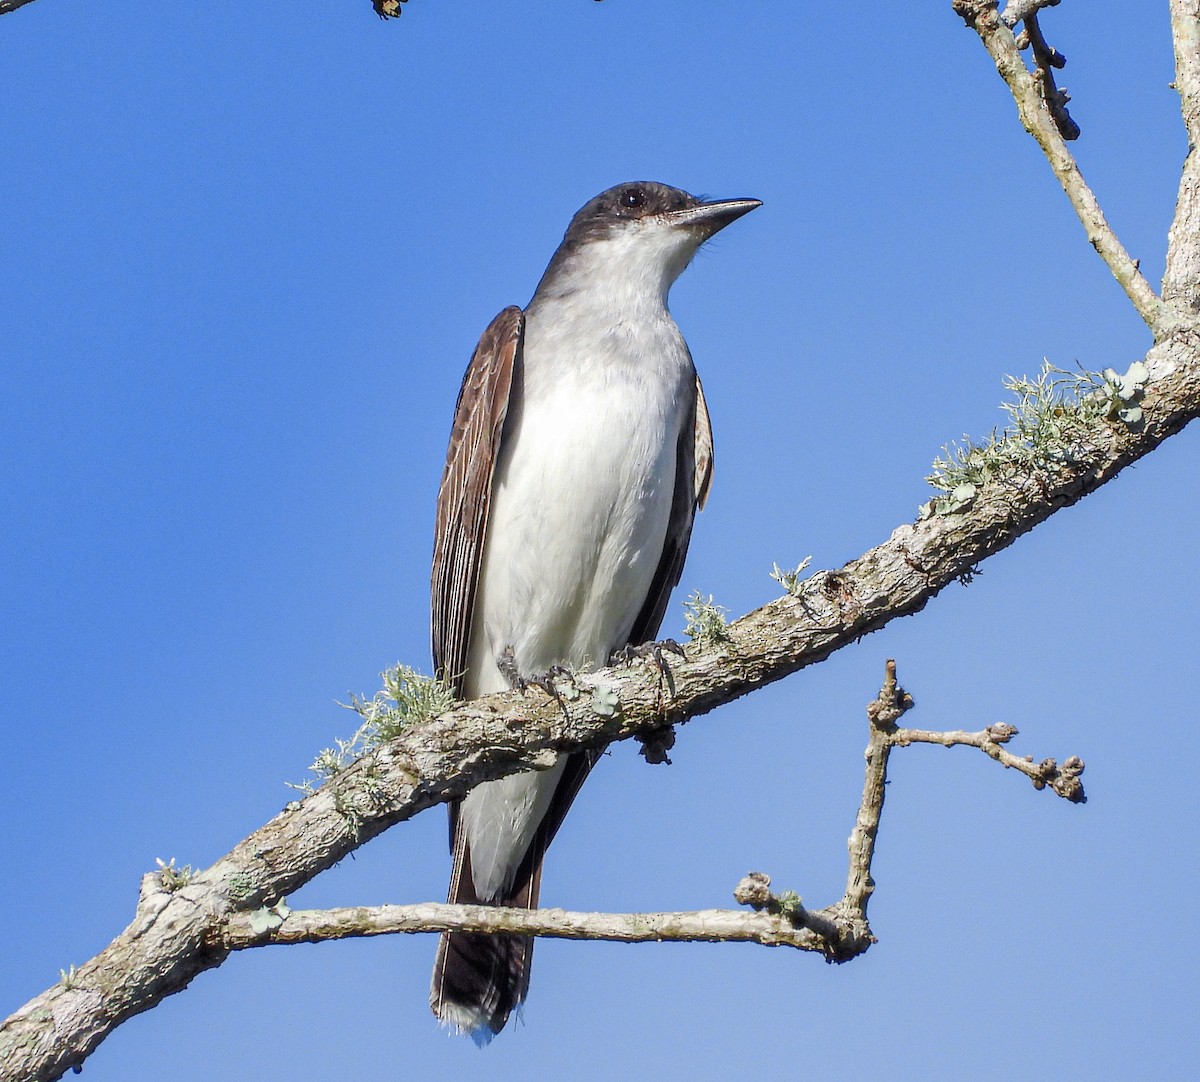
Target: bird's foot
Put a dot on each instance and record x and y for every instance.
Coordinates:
(656, 744)
(551, 682)
(627, 655)
(654, 652)
(548, 681)
(506, 662)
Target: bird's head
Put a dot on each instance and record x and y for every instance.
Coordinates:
(639, 235)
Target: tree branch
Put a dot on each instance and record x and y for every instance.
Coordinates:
(1181, 281)
(1036, 117)
(1064, 780)
(1016, 11)
(1045, 60)
(704, 925)
(883, 712)
(839, 932)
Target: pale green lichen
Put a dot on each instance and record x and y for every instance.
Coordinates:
(268, 917)
(789, 905)
(790, 580)
(357, 803)
(172, 878)
(605, 701)
(705, 620)
(1052, 423)
(241, 886)
(407, 697)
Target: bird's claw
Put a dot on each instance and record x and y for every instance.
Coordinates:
(654, 652)
(548, 681)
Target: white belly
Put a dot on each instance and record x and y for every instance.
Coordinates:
(576, 534)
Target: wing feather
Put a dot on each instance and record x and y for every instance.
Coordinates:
(465, 494)
(693, 478)
(704, 449)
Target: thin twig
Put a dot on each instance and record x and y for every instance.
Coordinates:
(1045, 59)
(1016, 11)
(1063, 780)
(892, 703)
(998, 39)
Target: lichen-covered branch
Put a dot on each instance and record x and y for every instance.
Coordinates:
(1037, 119)
(704, 925)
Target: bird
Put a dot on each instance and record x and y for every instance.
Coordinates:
(579, 453)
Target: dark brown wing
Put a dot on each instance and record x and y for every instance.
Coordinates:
(693, 478)
(466, 491)
(484, 974)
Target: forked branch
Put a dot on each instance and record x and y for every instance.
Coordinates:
(838, 932)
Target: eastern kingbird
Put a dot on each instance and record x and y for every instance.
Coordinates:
(579, 453)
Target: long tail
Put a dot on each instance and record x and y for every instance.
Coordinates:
(479, 980)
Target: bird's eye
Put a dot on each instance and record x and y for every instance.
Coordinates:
(633, 197)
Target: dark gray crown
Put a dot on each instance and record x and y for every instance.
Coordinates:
(630, 201)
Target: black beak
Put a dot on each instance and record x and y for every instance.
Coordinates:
(709, 218)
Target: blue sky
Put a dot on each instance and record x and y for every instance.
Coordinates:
(247, 250)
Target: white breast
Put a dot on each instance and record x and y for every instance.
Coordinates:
(582, 497)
